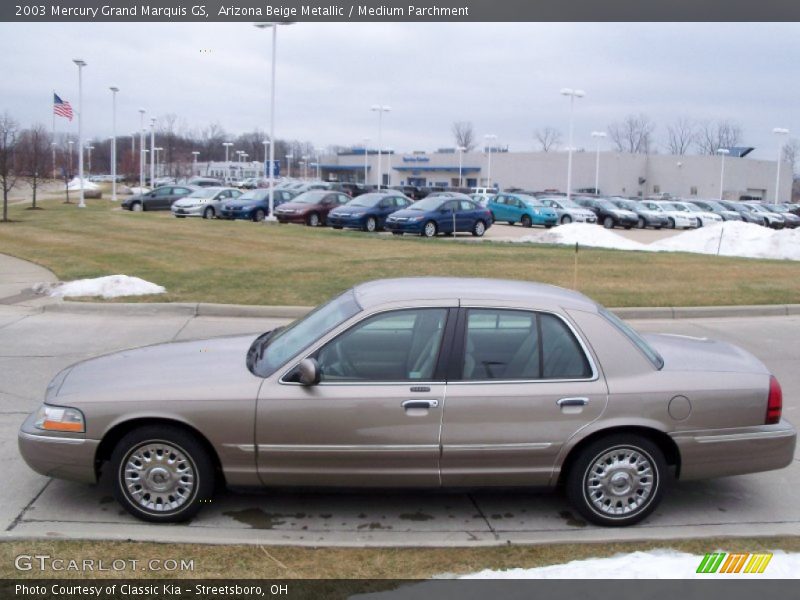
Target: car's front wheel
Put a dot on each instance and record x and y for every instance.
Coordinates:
(161, 473)
(671, 223)
(313, 220)
(608, 223)
(617, 480)
(429, 230)
(371, 224)
(566, 220)
(640, 224)
(258, 215)
(209, 213)
(526, 221)
(137, 207)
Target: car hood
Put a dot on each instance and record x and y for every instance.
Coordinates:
(298, 207)
(201, 364)
(686, 353)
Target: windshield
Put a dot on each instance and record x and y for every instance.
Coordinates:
(694, 208)
(254, 195)
(678, 207)
(428, 203)
(605, 204)
(271, 351)
(713, 205)
(531, 201)
(626, 204)
(309, 198)
(653, 356)
(204, 193)
(367, 200)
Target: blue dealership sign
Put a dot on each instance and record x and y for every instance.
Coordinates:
(276, 169)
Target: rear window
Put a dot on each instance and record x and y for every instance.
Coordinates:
(653, 356)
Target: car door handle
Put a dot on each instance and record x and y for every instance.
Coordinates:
(564, 402)
(424, 404)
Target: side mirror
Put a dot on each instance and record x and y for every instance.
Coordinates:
(308, 371)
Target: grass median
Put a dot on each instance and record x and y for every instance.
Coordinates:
(242, 262)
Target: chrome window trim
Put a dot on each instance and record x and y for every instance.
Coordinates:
(356, 448)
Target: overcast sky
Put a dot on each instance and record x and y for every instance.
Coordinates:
(504, 78)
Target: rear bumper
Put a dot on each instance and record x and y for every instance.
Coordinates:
(720, 452)
(54, 456)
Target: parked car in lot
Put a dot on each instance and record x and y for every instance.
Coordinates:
(311, 208)
(253, 205)
(369, 211)
(568, 211)
(205, 182)
(748, 216)
(791, 220)
(646, 216)
(205, 202)
(409, 191)
(482, 199)
(608, 214)
(676, 219)
(349, 188)
(523, 209)
(159, 199)
(421, 382)
(704, 217)
(440, 214)
(772, 220)
(717, 208)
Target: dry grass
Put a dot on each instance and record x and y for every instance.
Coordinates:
(217, 561)
(249, 263)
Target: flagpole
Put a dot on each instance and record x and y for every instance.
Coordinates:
(53, 141)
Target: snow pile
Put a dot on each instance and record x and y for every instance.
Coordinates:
(112, 286)
(75, 185)
(139, 190)
(655, 564)
(732, 238)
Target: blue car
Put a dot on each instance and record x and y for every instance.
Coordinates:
(254, 205)
(441, 214)
(521, 208)
(367, 211)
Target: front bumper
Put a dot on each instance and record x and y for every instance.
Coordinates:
(57, 455)
(290, 218)
(350, 221)
(194, 211)
(721, 452)
(404, 226)
(655, 220)
(546, 220)
(237, 213)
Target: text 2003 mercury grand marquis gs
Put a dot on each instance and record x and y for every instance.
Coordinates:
(417, 382)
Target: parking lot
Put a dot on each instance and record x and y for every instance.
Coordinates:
(36, 345)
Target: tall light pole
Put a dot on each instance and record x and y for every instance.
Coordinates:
(722, 152)
(70, 142)
(80, 63)
(380, 109)
(274, 26)
(598, 135)
(89, 149)
(266, 156)
(159, 171)
(227, 162)
(489, 137)
(289, 158)
(53, 146)
(572, 95)
(195, 154)
(152, 152)
(114, 89)
(141, 149)
(305, 166)
(460, 150)
(319, 170)
(366, 157)
(779, 131)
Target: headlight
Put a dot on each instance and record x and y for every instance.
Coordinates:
(416, 218)
(60, 418)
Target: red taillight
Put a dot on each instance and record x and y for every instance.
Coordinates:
(774, 402)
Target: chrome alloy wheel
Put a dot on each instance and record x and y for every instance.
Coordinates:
(159, 477)
(430, 229)
(620, 482)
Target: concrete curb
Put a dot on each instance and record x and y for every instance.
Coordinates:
(202, 309)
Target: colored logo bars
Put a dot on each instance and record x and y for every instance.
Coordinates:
(722, 562)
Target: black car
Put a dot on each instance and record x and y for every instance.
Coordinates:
(350, 188)
(747, 215)
(647, 217)
(206, 182)
(608, 214)
(160, 198)
(410, 191)
(429, 189)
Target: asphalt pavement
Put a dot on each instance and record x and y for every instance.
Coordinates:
(35, 345)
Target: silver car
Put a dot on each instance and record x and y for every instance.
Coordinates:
(205, 202)
(568, 211)
(422, 382)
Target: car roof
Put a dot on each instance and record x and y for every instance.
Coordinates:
(532, 294)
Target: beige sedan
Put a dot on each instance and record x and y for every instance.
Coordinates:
(427, 382)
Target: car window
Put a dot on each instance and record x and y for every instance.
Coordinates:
(521, 345)
(467, 205)
(394, 346)
(180, 191)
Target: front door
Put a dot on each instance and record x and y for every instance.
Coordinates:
(522, 385)
(374, 418)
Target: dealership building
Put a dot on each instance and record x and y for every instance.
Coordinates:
(619, 174)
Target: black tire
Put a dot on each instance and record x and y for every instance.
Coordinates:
(137, 207)
(657, 227)
(566, 220)
(429, 230)
(371, 224)
(337, 226)
(628, 226)
(652, 475)
(526, 221)
(397, 233)
(198, 465)
(608, 222)
(313, 220)
(180, 216)
(209, 213)
(670, 223)
(640, 224)
(510, 222)
(259, 215)
(479, 228)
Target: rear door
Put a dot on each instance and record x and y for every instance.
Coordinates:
(521, 384)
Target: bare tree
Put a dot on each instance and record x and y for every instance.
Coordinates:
(8, 141)
(633, 135)
(791, 152)
(31, 156)
(549, 138)
(681, 135)
(464, 133)
(713, 135)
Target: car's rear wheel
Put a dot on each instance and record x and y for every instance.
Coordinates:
(608, 223)
(161, 473)
(258, 215)
(640, 224)
(313, 220)
(209, 213)
(566, 220)
(429, 230)
(137, 207)
(479, 229)
(371, 224)
(526, 221)
(617, 480)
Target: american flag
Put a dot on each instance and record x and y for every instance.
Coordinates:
(62, 108)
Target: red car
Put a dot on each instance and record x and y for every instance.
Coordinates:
(311, 208)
